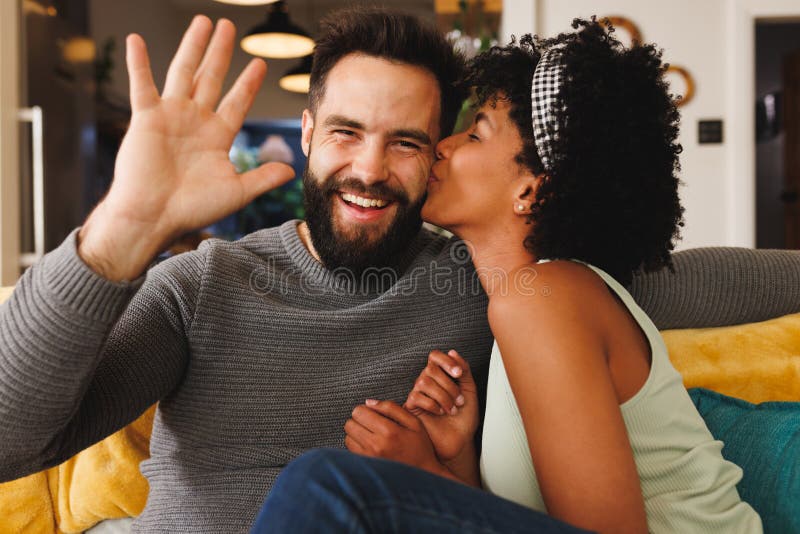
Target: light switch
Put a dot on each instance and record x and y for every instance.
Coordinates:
(709, 131)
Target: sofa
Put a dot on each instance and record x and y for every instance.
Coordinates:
(730, 318)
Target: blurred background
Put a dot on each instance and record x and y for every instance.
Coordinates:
(64, 102)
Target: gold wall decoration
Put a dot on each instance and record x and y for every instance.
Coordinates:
(450, 7)
(688, 81)
(626, 24)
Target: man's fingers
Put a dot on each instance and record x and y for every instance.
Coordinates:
(180, 75)
(447, 363)
(466, 372)
(212, 71)
(237, 102)
(445, 398)
(434, 375)
(438, 388)
(371, 420)
(418, 403)
(455, 365)
(143, 90)
(354, 446)
(358, 432)
(394, 412)
(263, 179)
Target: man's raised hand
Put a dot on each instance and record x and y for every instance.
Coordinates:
(173, 173)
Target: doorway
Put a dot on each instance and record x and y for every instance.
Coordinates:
(777, 134)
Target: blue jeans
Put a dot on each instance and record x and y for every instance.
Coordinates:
(334, 491)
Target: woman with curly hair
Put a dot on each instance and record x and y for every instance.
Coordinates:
(563, 187)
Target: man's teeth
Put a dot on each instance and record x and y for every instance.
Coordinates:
(364, 202)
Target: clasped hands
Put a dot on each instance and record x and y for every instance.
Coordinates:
(434, 428)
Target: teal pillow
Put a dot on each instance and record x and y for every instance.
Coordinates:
(764, 440)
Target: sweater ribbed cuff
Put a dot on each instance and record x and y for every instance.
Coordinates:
(77, 286)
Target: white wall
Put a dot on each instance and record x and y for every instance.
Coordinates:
(706, 37)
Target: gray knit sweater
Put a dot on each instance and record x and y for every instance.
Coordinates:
(257, 353)
(255, 350)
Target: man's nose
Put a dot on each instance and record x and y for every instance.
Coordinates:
(369, 165)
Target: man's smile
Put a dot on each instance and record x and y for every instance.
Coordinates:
(364, 202)
(362, 208)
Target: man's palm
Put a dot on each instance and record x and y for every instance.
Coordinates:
(172, 172)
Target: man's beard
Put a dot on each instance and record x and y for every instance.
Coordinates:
(356, 249)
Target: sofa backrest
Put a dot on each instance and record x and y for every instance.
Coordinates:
(721, 286)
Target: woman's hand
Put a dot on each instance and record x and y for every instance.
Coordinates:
(383, 429)
(445, 398)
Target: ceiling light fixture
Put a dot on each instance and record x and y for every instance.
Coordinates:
(247, 2)
(278, 37)
(298, 78)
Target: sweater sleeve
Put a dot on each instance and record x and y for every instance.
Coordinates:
(720, 286)
(81, 356)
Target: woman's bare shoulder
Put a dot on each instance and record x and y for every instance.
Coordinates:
(556, 290)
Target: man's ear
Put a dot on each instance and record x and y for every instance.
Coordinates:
(307, 127)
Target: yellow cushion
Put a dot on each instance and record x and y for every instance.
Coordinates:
(104, 481)
(756, 362)
(26, 505)
(101, 482)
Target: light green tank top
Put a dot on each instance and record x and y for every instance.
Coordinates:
(688, 487)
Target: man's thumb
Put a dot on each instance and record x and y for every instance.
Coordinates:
(265, 178)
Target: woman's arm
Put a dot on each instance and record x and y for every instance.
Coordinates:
(554, 352)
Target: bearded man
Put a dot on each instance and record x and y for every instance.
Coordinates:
(256, 350)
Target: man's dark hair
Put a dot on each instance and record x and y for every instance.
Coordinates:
(610, 197)
(393, 36)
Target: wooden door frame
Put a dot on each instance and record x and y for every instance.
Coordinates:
(10, 19)
(740, 198)
(791, 158)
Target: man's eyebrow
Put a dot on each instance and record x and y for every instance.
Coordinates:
(341, 120)
(418, 135)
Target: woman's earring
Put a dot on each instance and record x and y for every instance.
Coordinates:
(520, 207)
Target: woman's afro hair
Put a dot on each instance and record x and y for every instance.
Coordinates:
(610, 197)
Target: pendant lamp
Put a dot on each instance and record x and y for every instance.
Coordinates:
(278, 37)
(298, 78)
(247, 2)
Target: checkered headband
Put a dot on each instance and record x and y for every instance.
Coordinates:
(547, 78)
